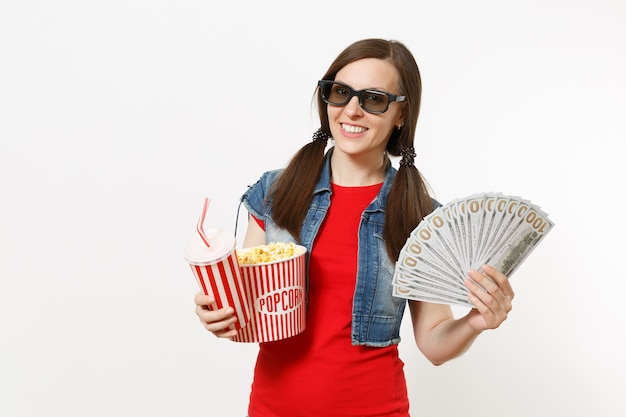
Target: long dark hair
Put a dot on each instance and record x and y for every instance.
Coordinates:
(409, 200)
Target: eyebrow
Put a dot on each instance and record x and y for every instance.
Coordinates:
(367, 88)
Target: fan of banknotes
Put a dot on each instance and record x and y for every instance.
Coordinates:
(485, 228)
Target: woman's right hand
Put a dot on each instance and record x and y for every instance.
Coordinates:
(215, 321)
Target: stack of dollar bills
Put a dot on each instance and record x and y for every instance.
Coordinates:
(485, 228)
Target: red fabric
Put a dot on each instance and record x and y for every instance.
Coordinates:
(258, 221)
(319, 372)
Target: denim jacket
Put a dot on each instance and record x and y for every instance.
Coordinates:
(376, 314)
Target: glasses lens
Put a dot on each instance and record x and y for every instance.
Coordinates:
(335, 93)
(374, 101)
(340, 94)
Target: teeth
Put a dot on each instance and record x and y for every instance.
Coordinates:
(353, 129)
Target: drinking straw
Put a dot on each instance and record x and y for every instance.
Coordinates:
(200, 225)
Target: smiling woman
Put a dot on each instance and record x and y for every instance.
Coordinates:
(117, 118)
(353, 212)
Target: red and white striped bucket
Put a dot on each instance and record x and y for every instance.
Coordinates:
(275, 292)
(217, 272)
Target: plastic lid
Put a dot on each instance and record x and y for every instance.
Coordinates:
(222, 244)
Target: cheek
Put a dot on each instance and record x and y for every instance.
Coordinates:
(386, 129)
(333, 112)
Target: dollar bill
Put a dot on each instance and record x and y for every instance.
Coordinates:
(482, 228)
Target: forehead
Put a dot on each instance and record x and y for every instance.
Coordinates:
(370, 73)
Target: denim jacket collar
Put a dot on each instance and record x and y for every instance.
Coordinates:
(379, 203)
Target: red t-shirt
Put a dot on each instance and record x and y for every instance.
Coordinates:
(318, 373)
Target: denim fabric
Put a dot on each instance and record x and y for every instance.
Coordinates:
(376, 314)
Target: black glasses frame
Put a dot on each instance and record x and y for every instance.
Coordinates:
(322, 84)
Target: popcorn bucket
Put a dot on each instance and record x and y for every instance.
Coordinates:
(275, 292)
(217, 272)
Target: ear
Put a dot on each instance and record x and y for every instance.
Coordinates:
(400, 121)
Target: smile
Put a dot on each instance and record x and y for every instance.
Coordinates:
(353, 129)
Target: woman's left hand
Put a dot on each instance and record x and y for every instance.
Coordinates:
(492, 302)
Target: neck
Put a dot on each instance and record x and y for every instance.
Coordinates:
(348, 171)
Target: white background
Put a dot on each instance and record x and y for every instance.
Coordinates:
(117, 118)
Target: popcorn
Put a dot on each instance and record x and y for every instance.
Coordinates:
(274, 251)
(274, 279)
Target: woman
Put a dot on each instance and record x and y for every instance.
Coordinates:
(353, 211)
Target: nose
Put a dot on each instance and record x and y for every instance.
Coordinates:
(353, 108)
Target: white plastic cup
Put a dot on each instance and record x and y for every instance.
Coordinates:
(218, 274)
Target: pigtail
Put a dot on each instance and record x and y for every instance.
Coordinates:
(407, 204)
(292, 193)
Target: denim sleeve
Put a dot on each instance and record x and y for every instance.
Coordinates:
(255, 198)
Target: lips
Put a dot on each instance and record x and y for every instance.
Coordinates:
(352, 128)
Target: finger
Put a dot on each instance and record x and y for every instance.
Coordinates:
(490, 293)
(479, 295)
(222, 328)
(227, 334)
(492, 299)
(219, 321)
(489, 298)
(478, 304)
(490, 310)
(210, 316)
(483, 302)
(501, 279)
(202, 299)
(484, 282)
